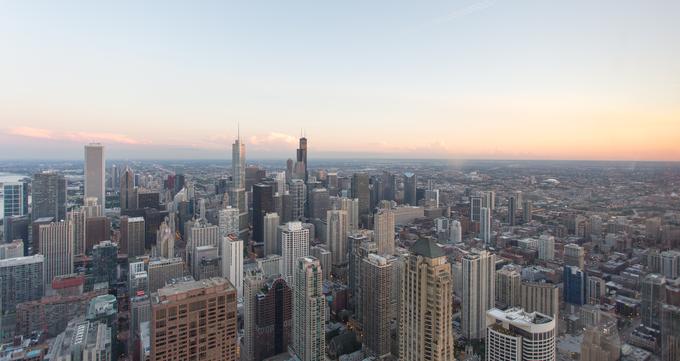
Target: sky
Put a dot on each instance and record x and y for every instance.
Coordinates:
(475, 79)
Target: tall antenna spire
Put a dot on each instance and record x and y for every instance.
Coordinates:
(238, 130)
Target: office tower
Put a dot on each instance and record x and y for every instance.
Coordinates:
(271, 265)
(237, 199)
(527, 211)
(298, 197)
(79, 220)
(426, 305)
(128, 191)
(132, 236)
(263, 203)
(138, 282)
(12, 250)
(351, 205)
(485, 226)
(271, 227)
(383, 231)
(140, 311)
(238, 163)
(206, 262)
(201, 233)
(35, 232)
(16, 227)
(336, 236)
(515, 335)
(410, 183)
(325, 259)
(92, 207)
(361, 192)
(518, 199)
(489, 200)
(318, 203)
(48, 196)
(294, 244)
(228, 221)
(389, 184)
(104, 262)
(670, 333)
(455, 232)
(574, 280)
(21, 280)
(56, 244)
(104, 309)
(301, 165)
(94, 174)
(574, 255)
(670, 264)
(82, 340)
(206, 328)
(479, 284)
(15, 201)
(232, 261)
(98, 229)
(162, 270)
(165, 238)
(309, 316)
(540, 297)
(652, 289)
(361, 248)
(546, 247)
(512, 211)
(376, 285)
(268, 313)
(475, 208)
(595, 290)
(601, 342)
(508, 290)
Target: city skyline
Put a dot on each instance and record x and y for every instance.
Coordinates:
(577, 80)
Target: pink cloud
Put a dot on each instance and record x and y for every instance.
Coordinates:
(273, 138)
(40, 133)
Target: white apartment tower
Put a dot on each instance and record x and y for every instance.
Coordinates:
(309, 315)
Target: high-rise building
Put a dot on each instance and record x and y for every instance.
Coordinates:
(515, 335)
(512, 211)
(546, 247)
(15, 201)
(527, 211)
(238, 163)
(455, 232)
(128, 191)
(426, 305)
(318, 203)
(670, 333)
(132, 236)
(56, 244)
(301, 165)
(540, 297)
(228, 221)
(294, 244)
(12, 250)
(351, 205)
(97, 229)
(271, 227)
(253, 282)
(361, 192)
(383, 231)
(485, 225)
(140, 311)
(48, 196)
(104, 262)
(574, 280)
(652, 289)
(309, 316)
(508, 290)
(94, 174)
(336, 236)
(194, 319)
(82, 340)
(160, 271)
(21, 280)
(298, 198)
(201, 233)
(489, 200)
(376, 284)
(479, 284)
(410, 185)
(595, 290)
(475, 208)
(165, 238)
(670, 264)
(263, 203)
(78, 218)
(325, 259)
(601, 342)
(574, 255)
(232, 261)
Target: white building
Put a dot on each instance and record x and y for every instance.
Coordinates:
(515, 335)
(479, 282)
(294, 244)
(546, 247)
(383, 231)
(232, 261)
(309, 315)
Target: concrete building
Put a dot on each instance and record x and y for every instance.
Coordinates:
(574, 255)
(271, 265)
(336, 236)
(376, 285)
(479, 283)
(542, 297)
(95, 175)
(546, 247)
(232, 261)
(455, 232)
(383, 231)
(601, 342)
(508, 286)
(12, 250)
(652, 290)
(361, 192)
(309, 314)
(670, 264)
(325, 258)
(426, 300)
(485, 225)
(21, 280)
(162, 270)
(515, 335)
(48, 196)
(56, 244)
(294, 244)
(670, 333)
(132, 236)
(194, 319)
(82, 340)
(271, 226)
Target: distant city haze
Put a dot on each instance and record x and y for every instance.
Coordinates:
(382, 79)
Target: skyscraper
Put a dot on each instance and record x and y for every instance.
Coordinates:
(194, 319)
(515, 335)
(383, 231)
(475, 208)
(128, 193)
(508, 281)
(652, 290)
(540, 297)
(271, 227)
(376, 285)
(132, 236)
(546, 247)
(574, 285)
(15, 201)
(426, 307)
(360, 191)
(670, 332)
(512, 211)
(232, 261)
(574, 255)
(21, 280)
(263, 203)
(601, 342)
(302, 158)
(78, 218)
(410, 183)
(165, 238)
(294, 244)
(94, 174)
(309, 316)
(48, 196)
(455, 232)
(56, 244)
(298, 197)
(479, 271)
(485, 226)
(318, 203)
(336, 235)
(238, 163)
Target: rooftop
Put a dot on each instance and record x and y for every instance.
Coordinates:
(427, 248)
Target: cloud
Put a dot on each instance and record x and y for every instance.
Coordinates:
(82, 137)
(273, 138)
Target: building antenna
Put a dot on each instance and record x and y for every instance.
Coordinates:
(238, 130)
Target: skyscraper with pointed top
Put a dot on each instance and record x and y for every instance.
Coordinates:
(238, 162)
(302, 156)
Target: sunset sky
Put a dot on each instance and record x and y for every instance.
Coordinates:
(419, 79)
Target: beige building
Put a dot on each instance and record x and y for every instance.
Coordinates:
(194, 320)
(540, 297)
(376, 285)
(508, 281)
(426, 310)
(383, 231)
